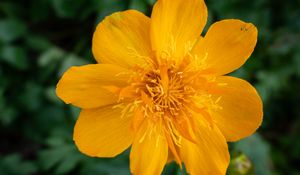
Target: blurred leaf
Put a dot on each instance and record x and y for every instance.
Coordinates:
(51, 95)
(69, 61)
(104, 168)
(10, 9)
(51, 55)
(138, 5)
(67, 8)
(39, 10)
(118, 165)
(258, 152)
(8, 115)
(14, 165)
(75, 112)
(37, 43)
(284, 43)
(49, 61)
(14, 56)
(107, 7)
(272, 81)
(151, 2)
(62, 8)
(53, 156)
(61, 155)
(69, 163)
(49, 117)
(2, 100)
(31, 97)
(11, 29)
(297, 63)
(173, 168)
(55, 141)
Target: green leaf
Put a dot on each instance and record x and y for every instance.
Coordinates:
(297, 63)
(173, 168)
(39, 10)
(14, 56)
(53, 156)
(11, 29)
(69, 162)
(74, 112)
(14, 165)
(67, 8)
(55, 141)
(51, 95)
(107, 7)
(258, 152)
(31, 98)
(50, 56)
(8, 115)
(62, 155)
(138, 5)
(8, 112)
(10, 9)
(151, 2)
(104, 168)
(37, 43)
(69, 61)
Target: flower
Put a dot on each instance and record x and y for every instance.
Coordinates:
(160, 88)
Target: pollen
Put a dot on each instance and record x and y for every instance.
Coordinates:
(166, 89)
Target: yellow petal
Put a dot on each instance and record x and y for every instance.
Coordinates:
(103, 132)
(242, 110)
(172, 149)
(185, 125)
(175, 26)
(171, 157)
(227, 45)
(123, 39)
(149, 151)
(85, 86)
(138, 118)
(209, 155)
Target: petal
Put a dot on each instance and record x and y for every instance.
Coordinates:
(149, 152)
(209, 155)
(122, 39)
(103, 132)
(241, 108)
(83, 86)
(176, 24)
(227, 45)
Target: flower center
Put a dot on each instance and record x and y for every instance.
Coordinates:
(166, 91)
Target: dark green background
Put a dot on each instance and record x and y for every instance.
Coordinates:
(40, 39)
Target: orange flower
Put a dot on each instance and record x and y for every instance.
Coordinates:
(159, 88)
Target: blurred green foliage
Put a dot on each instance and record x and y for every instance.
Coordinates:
(40, 39)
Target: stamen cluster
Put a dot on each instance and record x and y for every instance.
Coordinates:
(167, 91)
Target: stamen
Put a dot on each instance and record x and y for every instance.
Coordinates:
(167, 91)
(176, 136)
(143, 137)
(132, 52)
